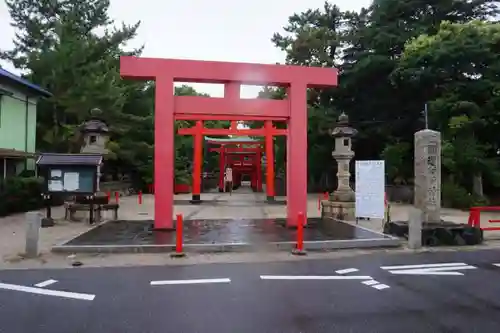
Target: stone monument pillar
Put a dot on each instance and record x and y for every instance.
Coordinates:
(341, 203)
(427, 196)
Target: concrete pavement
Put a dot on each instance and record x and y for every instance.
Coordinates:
(433, 292)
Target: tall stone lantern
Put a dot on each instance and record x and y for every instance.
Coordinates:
(95, 133)
(341, 202)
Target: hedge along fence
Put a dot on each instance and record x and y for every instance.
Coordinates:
(19, 194)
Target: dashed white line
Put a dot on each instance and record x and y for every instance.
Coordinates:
(375, 284)
(369, 282)
(347, 271)
(193, 281)
(498, 265)
(47, 292)
(45, 283)
(380, 286)
(314, 277)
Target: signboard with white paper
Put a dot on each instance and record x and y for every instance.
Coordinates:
(370, 189)
(71, 181)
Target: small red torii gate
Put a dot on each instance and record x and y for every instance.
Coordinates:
(168, 108)
(199, 131)
(227, 156)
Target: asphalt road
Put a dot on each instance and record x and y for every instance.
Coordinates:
(303, 296)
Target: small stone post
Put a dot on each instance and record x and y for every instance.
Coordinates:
(427, 158)
(33, 224)
(415, 229)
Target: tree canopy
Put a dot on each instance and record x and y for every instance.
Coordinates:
(72, 49)
(396, 58)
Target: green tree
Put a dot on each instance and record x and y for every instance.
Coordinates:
(367, 47)
(460, 63)
(57, 44)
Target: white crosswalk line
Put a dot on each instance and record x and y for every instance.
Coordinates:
(429, 269)
(424, 265)
(347, 271)
(381, 286)
(369, 282)
(192, 281)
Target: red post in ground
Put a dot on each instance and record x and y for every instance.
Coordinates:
(197, 156)
(299, 250)
(178, 237)
(117, 197)
(268, 126)
(139, 198)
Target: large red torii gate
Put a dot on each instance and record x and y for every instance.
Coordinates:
(169, 107)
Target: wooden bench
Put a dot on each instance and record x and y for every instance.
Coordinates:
(71, 208)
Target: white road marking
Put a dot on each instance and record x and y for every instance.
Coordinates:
(498, 265)
(47, 292)
(424, 265)
(429, 269)
(193, 281)
(315, 277)
(45, 283)
(347, 271)
(380, 286)
(369, 282)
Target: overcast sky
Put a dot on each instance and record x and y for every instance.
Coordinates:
(222, 30)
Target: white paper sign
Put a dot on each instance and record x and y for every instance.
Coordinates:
(370, 189)
(55, 185)
(55, 173)
(71, 181)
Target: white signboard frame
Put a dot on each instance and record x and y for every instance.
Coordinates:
(370, 189)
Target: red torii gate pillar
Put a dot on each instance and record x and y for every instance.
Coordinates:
(269, 148)
(197, 163)
(222, 166)
(169, 107)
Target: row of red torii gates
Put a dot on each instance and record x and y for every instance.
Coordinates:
(245, 159)
(168, 108)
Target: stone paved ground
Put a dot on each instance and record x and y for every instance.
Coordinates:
(12, 232)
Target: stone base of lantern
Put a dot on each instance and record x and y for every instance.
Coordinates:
(338, 210)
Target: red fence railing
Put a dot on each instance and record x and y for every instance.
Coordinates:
(475, 217)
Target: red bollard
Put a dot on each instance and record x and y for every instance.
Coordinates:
(178, 238)
(139, 198)
(299, 250)
(117, 197)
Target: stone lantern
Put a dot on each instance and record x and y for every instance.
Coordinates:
(95, 134)
(341, 202)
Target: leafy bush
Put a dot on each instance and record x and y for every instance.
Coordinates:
(18, 194)
(455, 196)
(182, 176)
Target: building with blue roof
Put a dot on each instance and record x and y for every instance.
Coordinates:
(18, 114)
